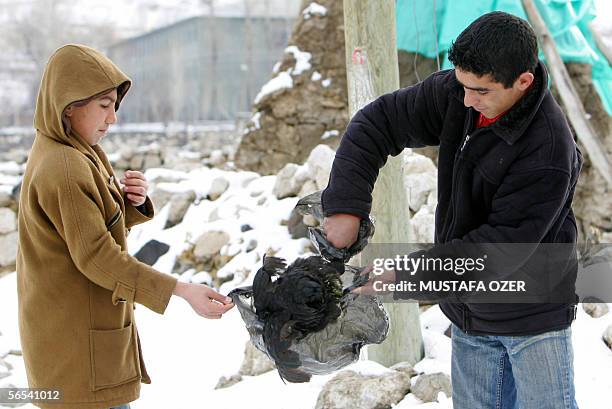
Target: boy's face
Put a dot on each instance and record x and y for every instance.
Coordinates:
(91, 121)
(488, 97)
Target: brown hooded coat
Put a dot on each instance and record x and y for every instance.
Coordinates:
(77, 284)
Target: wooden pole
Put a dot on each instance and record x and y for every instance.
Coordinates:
(605, 50)
(372, 70)
(574, 108)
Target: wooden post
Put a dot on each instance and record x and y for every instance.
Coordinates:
(573, 106)
(599, 41)
(372, 70)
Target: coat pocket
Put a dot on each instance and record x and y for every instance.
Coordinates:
(114, 357)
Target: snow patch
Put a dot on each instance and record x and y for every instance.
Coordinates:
(282, 81)
(316, 76)
(302, 60)
(330, 134)
(255, 120)
(314, 9)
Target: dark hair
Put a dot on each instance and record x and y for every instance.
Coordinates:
(499, 44)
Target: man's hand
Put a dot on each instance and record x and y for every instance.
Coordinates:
(135, 187)
(204, 300)
(387, 277)
(341, 229)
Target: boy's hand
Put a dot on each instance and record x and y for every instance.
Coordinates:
(387, 277)
(341, 229)
(135, 187)
(204, 300)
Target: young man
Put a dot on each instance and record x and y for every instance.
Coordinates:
(507, 169)
(77, 284)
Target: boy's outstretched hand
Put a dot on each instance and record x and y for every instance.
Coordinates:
(135, 187)
(204, 300)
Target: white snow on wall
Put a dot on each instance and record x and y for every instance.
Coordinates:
(314, 9)
(316, 76)
(329, 134)
(302, 60)
(255, 120)
(281, 81)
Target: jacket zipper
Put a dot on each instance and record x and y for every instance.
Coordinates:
(467, 138)
(113, 221)
(470, 121)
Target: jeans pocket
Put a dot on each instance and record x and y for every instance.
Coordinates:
(525, 341)
(114, 359)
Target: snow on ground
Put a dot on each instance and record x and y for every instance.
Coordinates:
(186, 354)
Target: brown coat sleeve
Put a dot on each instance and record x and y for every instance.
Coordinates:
(133, 216)
(74, 206)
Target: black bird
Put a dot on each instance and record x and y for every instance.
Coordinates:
(293, 302)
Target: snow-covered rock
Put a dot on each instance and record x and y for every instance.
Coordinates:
(202, 277)
(210, 244)
(595, 309)
(607, 336)
(420, 179)
(255, 362)
(5, 196)
(296, 226)
(286, 185)
(218, 186)
(319, 163)
(179, 204)
(309, 187)
(11, 168)
(8, 221)
(423, 226)
(160, 196)
(426, 387)
(8, 249)
(415, 163)
(350, 390)
(216, 158)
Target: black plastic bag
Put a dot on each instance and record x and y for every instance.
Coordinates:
(311, 205)
(342, 322)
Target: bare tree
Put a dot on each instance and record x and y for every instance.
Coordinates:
(45, 26)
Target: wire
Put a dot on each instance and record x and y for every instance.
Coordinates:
(436, 35)
(416, 52)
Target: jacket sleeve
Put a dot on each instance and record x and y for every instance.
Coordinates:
(75, 208)
(138, 214)
(409, 117)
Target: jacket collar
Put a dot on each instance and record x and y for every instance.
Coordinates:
(516, 121)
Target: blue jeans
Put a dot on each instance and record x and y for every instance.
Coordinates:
(126, 406)
(507, 372)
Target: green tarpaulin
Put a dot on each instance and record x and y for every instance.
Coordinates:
(418, 28)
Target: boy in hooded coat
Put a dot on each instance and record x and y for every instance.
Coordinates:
(77, 284)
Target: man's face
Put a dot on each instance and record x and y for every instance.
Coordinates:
(91, 121)
(488, 97)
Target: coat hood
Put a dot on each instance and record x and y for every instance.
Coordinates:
(74, 73)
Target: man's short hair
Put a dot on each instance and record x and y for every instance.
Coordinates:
(499, 44)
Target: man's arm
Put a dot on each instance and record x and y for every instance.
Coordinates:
(410, 117)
